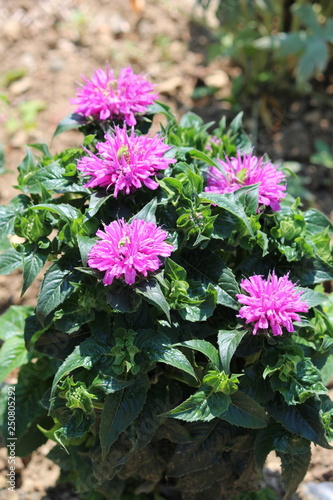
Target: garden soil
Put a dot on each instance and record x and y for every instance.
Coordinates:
(45, 47)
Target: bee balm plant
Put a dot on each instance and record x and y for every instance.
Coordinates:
(179, 333)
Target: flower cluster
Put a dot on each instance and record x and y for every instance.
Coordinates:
(271, 303)
(125, 162)
(103, 97)
(128, 249)
(246, 170)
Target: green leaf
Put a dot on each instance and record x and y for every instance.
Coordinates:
(33, 263)
(85, 245)
(311, 297)
(204, 405)
(109, 384)
(200, 155)
(9, 261)
(302, 419)
(65, 211)
(157, 349)
(294, 468)
(313, 60)
(12, 355)
(204, 347)
(56, 287)
(9, 213)
(229, 203)
(70, 122)
(228, 341)
(316, 222)
(84, 355)
(152, 292)
(147, 213)
(244, 411)
(12, 322)
(120, 410)
(207, 267)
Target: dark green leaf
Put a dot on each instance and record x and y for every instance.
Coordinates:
(147, 213)
(84, 355)
(85, 245)
(230, 204)
(152, 292)
(120, 410)
(158, 349)
(9, 213)
(65, 211)
(70, 122)
(9, 261)
(302, 419)
(56, 287)
(294, 468)
(205, 348)
(33, 263)
(204, 405)
(228, 341)
(13, 354)
(244, 411)
(12, 322)
(316, 222)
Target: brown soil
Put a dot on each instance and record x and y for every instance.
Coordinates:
(45, 45)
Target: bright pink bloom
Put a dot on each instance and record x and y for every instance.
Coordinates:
(104, 97)
(245, 170)
(129, 249)
(271, 303)
(125, 162)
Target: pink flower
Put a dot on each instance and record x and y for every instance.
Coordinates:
(125, 162)
(245, 170)
(104, 97)
(129, 249)
(271, 303)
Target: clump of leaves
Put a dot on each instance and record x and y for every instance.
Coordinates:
(159, 386)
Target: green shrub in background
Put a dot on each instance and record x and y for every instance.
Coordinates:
(274, 43)
(178, 335)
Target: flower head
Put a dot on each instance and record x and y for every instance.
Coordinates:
(245, 170)
(104, 97)
(128, 249)
(271, 304)
(125, 162)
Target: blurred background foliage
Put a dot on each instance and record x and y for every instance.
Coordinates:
(279, 45)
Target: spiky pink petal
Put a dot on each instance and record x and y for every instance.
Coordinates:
(271, 303)
(125, 162)
(245, 170)
(104, 97)
(129, 249)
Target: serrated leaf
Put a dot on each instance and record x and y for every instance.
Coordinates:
(12, 322)
(12, 355)
(303, 419)
(32, 263)
(311, 297)
(228, 341)
(206, 268)
(9, 261)
(9, 213)
(70, 122)
(158, 349)
(152, 292)
(316, 222)
(65, 211)
(230, 204)
(120, 410)
(294, 468)
(244, 411)
(85, 245)
(147, 213)
(204, 405)
(84, 355)
(56, 287)
(205, 348)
